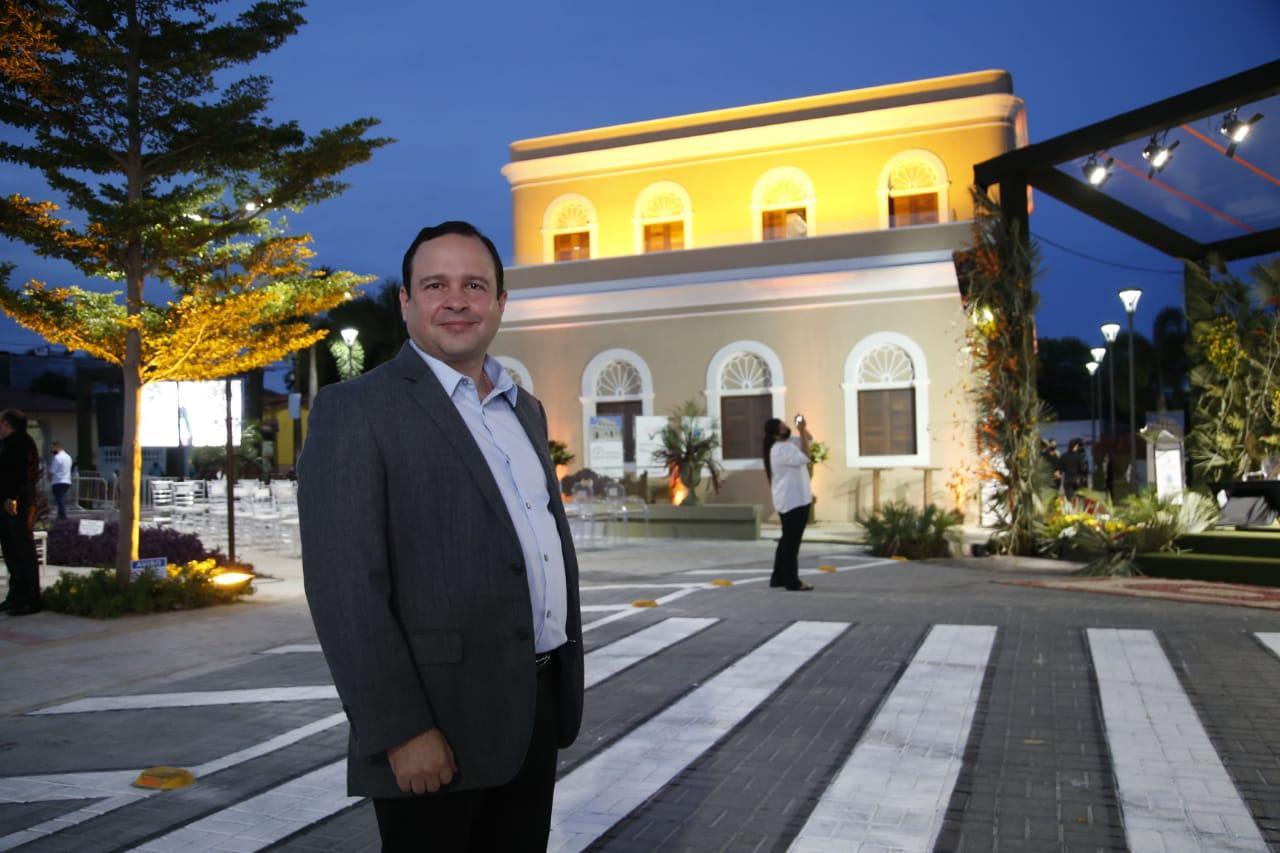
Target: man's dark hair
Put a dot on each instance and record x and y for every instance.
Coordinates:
(15, 418)
(453, 226)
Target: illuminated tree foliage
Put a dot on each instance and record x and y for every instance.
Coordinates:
(129, 110)
(1235, 374)
(1001, 304)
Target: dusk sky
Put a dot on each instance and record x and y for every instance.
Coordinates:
(456, 83)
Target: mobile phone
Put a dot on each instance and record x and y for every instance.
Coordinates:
(799, 419)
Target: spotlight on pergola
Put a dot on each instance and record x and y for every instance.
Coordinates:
(1158, 154)
(1097, 173)
(1236, 130)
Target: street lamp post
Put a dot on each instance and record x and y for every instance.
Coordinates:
(1109, 332)
(1129, 298)
(348, 354)
(1092, 367)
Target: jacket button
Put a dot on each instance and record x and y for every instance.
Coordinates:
(517, 569)
(522, 633)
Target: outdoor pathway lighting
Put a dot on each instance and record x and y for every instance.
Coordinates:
(1109, 333)
(1236, 130)
(1129, 298)
(348, 354)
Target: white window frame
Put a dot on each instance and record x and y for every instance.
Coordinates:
(550, 230)
(714, 393)
(920, 384)
(589, 398)
(758, 205)
(942, 186)
(685, 217)
(517, 366)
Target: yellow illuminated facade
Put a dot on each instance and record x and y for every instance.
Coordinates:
(769, 259)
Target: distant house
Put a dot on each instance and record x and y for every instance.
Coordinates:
(770, 259)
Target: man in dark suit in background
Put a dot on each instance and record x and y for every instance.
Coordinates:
(19, 495)
(440, 570)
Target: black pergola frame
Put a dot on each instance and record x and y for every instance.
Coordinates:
(1036, 166)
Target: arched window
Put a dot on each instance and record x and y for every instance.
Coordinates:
(569, 229)
(782, 205)
(663, 218)
(744, 389)
(914, 190)
(519, 373)
(617, 382)
(886, 399)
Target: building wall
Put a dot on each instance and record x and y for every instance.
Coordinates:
(812, 342)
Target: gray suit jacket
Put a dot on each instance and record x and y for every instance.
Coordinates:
(416, 580)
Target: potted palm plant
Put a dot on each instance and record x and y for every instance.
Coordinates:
(688, 447)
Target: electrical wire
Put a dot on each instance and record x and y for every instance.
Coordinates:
(1116, 264)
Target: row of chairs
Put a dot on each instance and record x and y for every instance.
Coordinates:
(266, 516)
(594, 519)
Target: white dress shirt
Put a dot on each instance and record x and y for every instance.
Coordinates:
(517, 469)
(60, 468)
(790, 476)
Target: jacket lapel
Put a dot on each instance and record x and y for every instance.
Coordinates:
(428, 393)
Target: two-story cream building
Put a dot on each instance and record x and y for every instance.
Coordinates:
(766, 260)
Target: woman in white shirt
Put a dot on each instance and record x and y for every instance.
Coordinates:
(786, 463)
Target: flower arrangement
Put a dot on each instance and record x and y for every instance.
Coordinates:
(819, 453)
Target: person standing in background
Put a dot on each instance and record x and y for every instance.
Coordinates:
(786, 463)
(19, 479)
(60, 477)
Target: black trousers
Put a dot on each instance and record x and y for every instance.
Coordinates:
(786, 560)
(20, 556)
(60, 497)
(514, 817)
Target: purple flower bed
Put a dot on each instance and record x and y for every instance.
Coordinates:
(68, 548)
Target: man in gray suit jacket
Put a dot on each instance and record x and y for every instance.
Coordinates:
(440, 570)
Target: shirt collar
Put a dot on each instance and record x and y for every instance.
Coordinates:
(450, 378)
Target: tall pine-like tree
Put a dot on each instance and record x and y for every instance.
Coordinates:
(173, 175)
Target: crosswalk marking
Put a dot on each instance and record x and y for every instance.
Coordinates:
(608, 786)
(617, 656)
(293, 648)
(200, 698)
(1271, 641)
(632, 611)
(893, 791)
(116, 786)
(1174, 792)
(262, 820)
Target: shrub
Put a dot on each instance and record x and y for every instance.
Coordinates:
(1142, 524)
(67, 547)
(100, 595)
(898, 529)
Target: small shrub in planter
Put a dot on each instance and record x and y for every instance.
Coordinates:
(68, 547)
(99, 594)
(898, 529)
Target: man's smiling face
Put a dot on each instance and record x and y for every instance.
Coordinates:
(451, 305)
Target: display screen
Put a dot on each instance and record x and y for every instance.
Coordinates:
(189, 414)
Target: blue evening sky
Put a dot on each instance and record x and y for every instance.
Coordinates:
(455, 83)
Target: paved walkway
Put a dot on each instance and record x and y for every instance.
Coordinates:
(900, 706)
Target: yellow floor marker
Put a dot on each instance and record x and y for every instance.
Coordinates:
(644, 602)
(828, 569)
(722, 582)
(164, 778)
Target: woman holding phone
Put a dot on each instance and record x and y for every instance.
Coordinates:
(786, 463)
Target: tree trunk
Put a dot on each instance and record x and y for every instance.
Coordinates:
(130, 491)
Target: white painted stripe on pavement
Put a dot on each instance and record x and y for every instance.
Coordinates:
(609, 660)
(193, 699)
(892, 792)
(1271, 641)
(632, 611)
(117, 786)
(260, 821)
(603, 608)
(1174, 792)
(295, 648)
(811, 572)
(611, 784)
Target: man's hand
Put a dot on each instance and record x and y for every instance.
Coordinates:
(423, 763)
